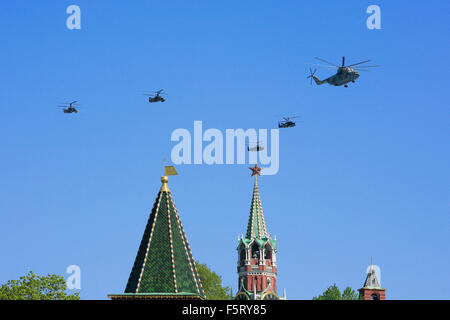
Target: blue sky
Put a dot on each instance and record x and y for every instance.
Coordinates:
(365, 173)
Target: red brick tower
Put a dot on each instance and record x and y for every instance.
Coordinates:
(372, 289)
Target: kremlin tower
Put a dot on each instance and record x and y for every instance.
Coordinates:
(372, 289)
(164, 267)
(257, 263)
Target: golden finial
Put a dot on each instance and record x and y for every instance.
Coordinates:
(164, 180)
(168, 171)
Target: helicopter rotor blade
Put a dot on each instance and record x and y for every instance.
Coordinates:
(355, 64)
(327, 62)
(323, 66)
(343, 61)
(370, 66)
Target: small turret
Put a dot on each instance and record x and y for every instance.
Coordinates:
(372, 289)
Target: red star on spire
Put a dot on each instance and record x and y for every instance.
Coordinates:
(256, 170)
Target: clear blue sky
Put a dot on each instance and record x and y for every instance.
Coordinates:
(366, 172)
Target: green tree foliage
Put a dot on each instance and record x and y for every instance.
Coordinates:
(212, 284)
(33, 287)
(350, 294)
(333, 293)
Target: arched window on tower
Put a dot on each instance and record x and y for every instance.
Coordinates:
(374, 296)
(242, 256)
(255, 251)
(267, 252)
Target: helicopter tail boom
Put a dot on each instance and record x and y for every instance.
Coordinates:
(318, 81)
(312, 76)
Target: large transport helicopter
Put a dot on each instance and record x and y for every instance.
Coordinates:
(344, 74)
(69, 107)
(156, 96)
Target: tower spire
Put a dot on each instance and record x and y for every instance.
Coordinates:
(256, 227)
(164, 267)
(372, 279)
(372, 289)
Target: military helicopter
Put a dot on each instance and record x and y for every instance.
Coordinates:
(156, 96)
(257, 147)
(287, 122)
(344, 75)
(69, 107)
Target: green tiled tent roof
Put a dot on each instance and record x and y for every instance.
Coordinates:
(164, 262)
(256, 227)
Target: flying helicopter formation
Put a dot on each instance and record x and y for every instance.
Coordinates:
(153, 97)
(344, 75)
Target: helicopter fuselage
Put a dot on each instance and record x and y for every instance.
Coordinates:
(342, 77)
(156, 99)
(287, 124)
(257, 148)
(70, 110)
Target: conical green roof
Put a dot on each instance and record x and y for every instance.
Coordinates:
(256, 227)
(164, 265)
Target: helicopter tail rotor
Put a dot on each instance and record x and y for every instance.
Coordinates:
(311, 76)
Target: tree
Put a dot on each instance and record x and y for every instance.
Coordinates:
(34, 287)
(350, 294)
(212, 284)
(333, 293)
